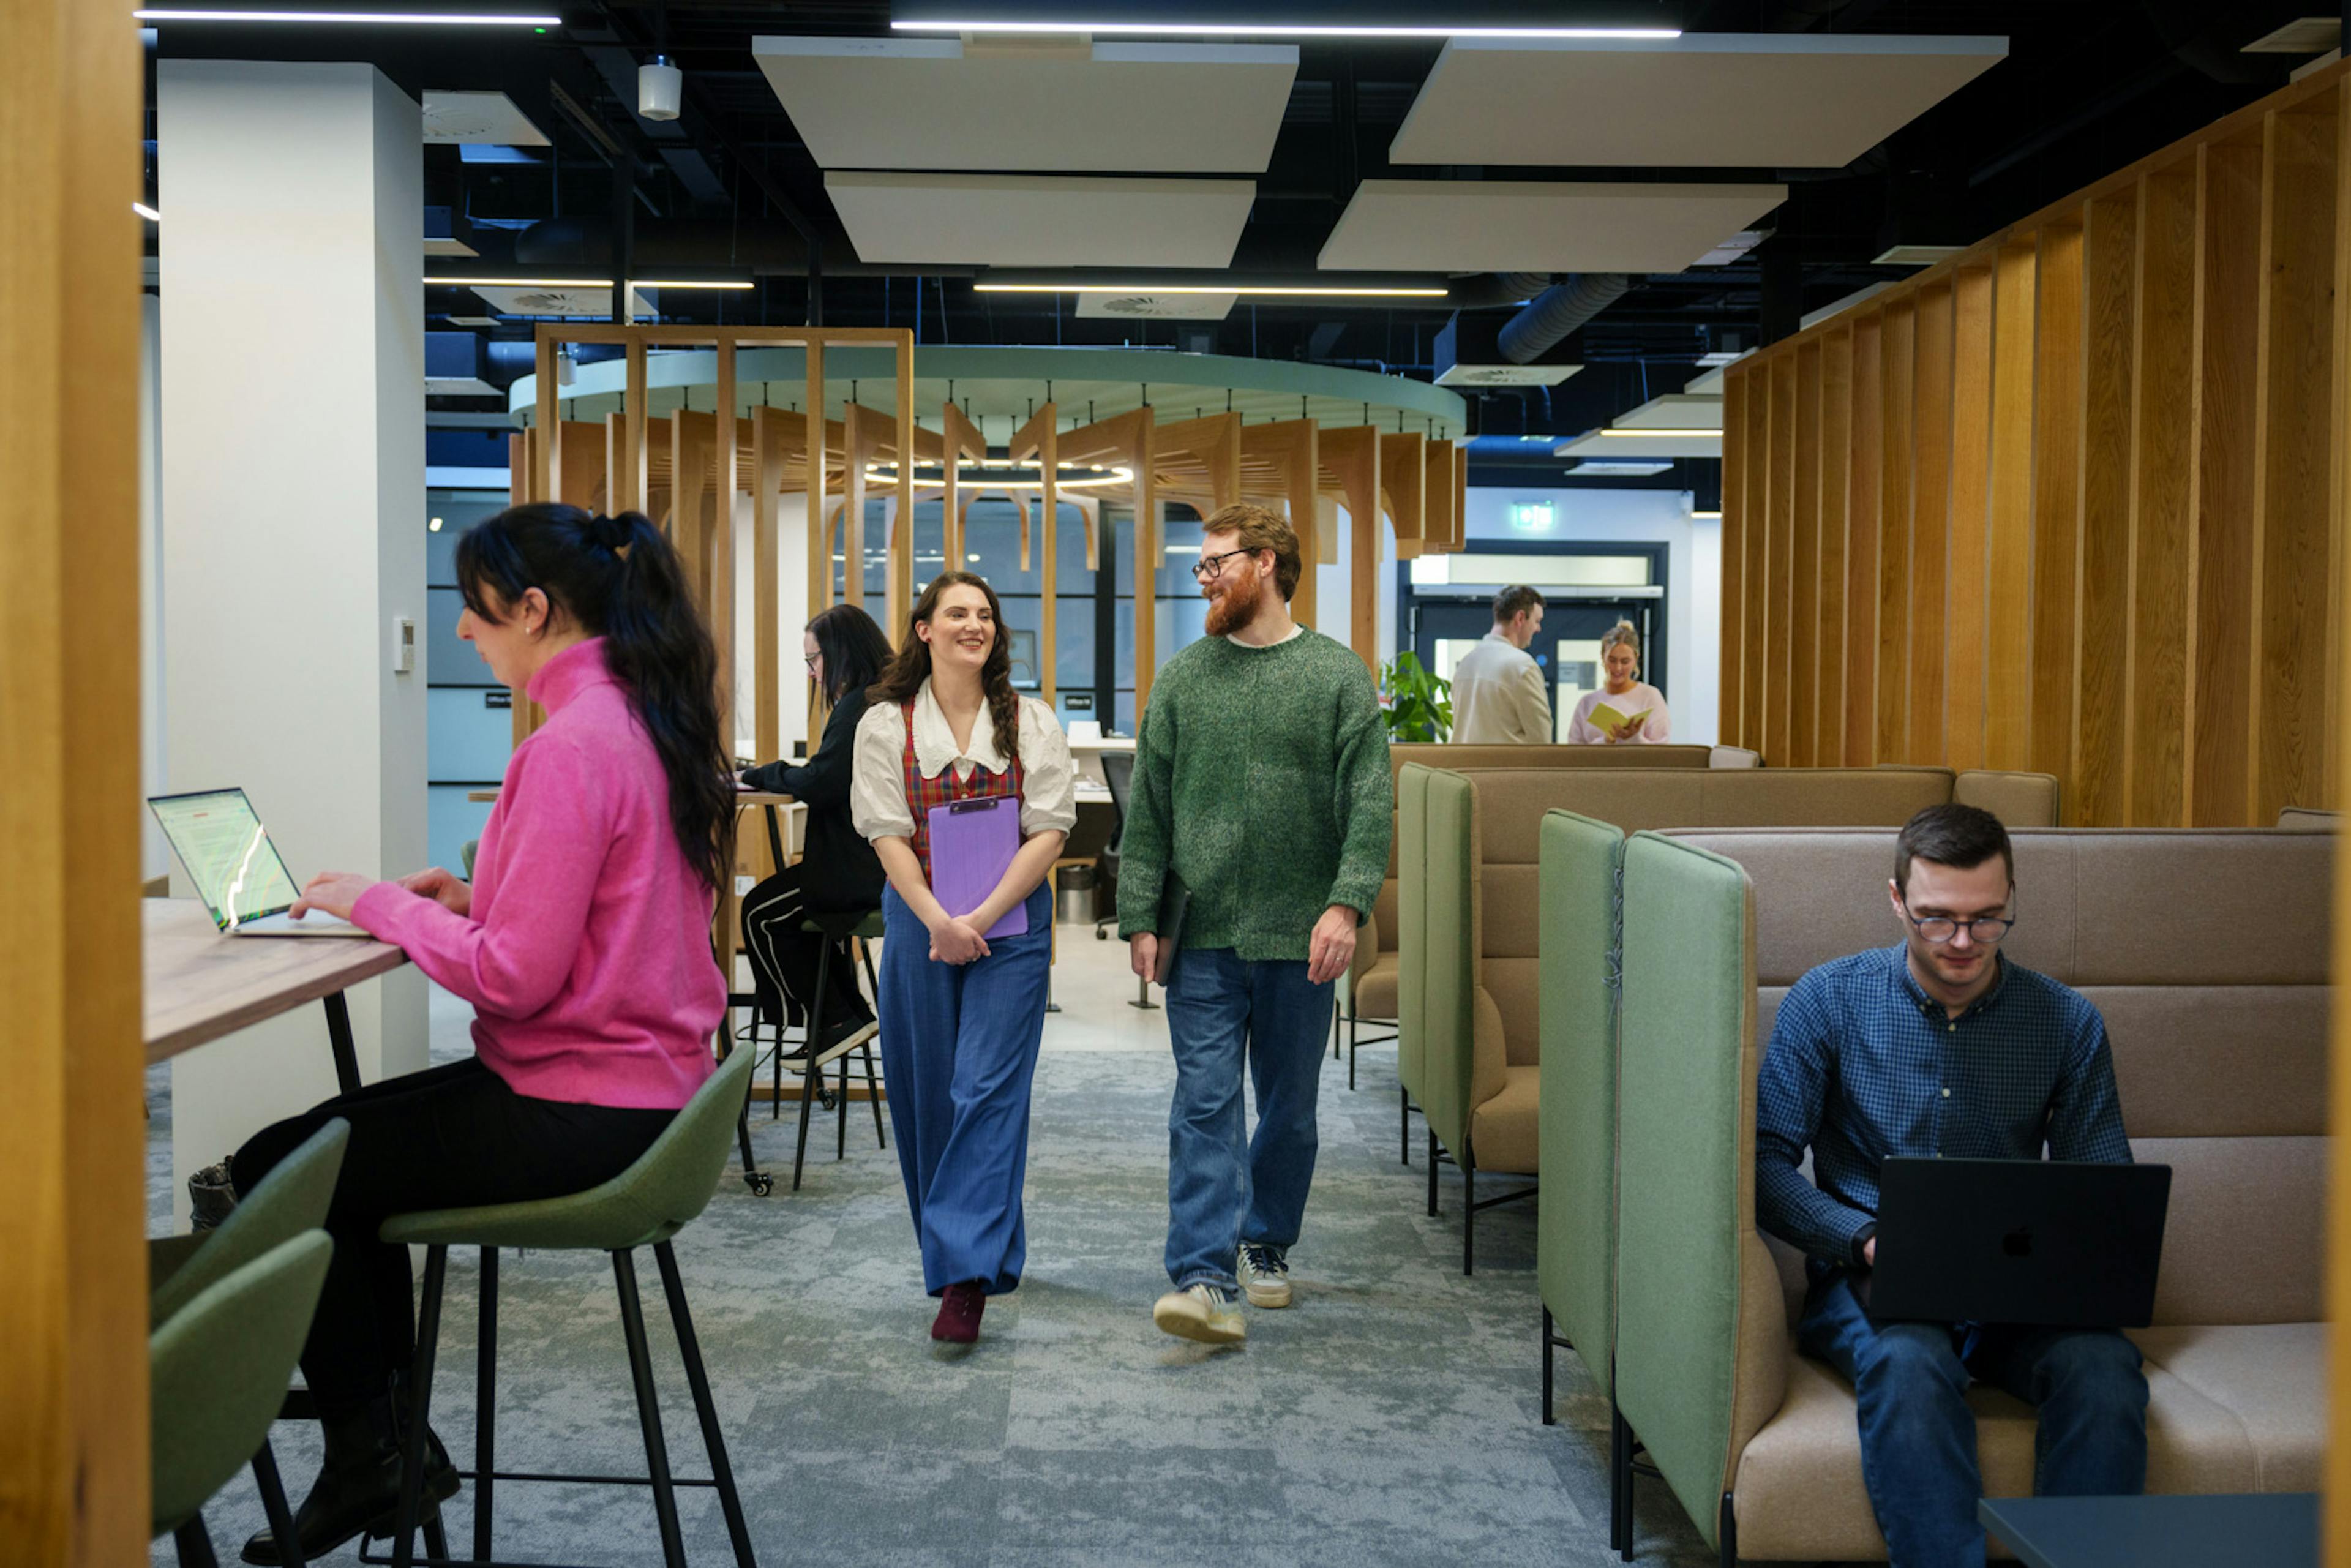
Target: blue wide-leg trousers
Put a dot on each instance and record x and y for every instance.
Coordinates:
(959, 1044)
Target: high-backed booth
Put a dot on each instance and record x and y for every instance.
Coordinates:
(1469, 1038)
(2206, 950)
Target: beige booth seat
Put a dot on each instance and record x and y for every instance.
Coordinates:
(2207, 953)
(1474, 1063)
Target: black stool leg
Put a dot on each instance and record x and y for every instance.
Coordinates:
(873, 1094)
(1469, 1212)
(1549, 1341)
(1432, 1172)
(714, 1439)
(841, 1112)
(640, 1368)
(273, 1505)
(813, 1078)
(1404, 1115)
(194, 1543)
(419, 1400)
(486, 1404)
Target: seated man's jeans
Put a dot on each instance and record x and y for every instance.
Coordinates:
(1919, 1436)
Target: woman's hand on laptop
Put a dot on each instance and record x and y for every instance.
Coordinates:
(451, 892)
(332, 893)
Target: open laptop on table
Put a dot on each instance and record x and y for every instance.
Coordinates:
(2065, 1244)
(236, 868)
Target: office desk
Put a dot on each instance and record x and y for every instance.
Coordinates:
(2269, 1529)
(201, 985)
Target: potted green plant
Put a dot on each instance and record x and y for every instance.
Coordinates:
(1414, 703)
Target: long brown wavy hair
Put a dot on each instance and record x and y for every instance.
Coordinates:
(912, 666)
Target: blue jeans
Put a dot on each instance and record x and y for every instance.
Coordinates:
(1919, 1436)
(960, 1045)
(1225, 1188)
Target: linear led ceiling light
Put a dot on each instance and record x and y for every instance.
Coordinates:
(575, 283)
(1312, 291)
(144, 210)
(358, 18)
(1028, 474)
(1281, 30)
(1640, 434)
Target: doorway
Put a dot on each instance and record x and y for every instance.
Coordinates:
(1567, 650)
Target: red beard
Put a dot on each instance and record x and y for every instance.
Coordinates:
(1236, 607)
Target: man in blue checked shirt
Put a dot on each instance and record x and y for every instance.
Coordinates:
(1939, 1046)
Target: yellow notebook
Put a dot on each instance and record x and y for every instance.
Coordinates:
(1605, 718)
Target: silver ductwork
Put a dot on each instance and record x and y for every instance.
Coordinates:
(1555, 312)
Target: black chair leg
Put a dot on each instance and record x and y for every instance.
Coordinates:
(194, 1543)
(1620, 1483)
(419, 1400)
(812, 1078)
(1353, 1043)
(1726, 1535)
(1432, 1173)
(640, 1370)
(714, 1438)
(873, 1094)
(266, 1481)
(485, 1407)
(1468, 1214)
(1404, 1116)
(840, 1110)
(1548, 1419)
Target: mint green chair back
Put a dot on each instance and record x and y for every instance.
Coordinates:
(1686, 1166)
(653, 1200)
(1412, 807)
(291, 1199)
(218, 1369)
(1575, 1224)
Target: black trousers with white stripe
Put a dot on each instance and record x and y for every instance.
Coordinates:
(784, 958)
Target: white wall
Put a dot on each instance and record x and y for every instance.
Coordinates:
(1693, 572)
(292, 483)
(155, 851)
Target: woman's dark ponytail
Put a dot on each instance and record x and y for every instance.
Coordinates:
(619, 579)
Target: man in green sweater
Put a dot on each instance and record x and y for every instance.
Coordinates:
(1261, 781)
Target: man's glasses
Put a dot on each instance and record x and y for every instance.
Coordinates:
(1209, 566)
(1938, 929)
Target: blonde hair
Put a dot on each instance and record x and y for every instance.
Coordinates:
(1622, 634)
(1258, 528)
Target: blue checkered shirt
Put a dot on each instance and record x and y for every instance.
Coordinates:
(1865, 1066)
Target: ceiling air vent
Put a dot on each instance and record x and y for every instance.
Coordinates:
(1146, 305)
(1505, 375)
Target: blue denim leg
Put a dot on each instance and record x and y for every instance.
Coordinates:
(1290, 1023)
(1917, 1435)
(1207, 1178)
(960, 1045)
(2090, 1390)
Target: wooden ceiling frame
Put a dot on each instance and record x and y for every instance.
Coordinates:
(1130, 439)
(1284, 458)
(1040, 439)
(961, 439)
(1351, 457)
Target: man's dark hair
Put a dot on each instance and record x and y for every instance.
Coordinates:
(1514, 601)
(1960, 837)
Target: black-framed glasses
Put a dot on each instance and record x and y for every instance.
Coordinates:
(1984, 932)
(1209, 566)
(810, 661)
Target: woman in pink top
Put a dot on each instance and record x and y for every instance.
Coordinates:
(584, 943)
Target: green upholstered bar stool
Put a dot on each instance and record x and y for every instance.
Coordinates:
(644, 1205)
(217, 1372)
(865, 926)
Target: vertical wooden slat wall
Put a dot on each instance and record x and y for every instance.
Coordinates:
(2072, 500)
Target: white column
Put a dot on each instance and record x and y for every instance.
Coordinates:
(292, 500)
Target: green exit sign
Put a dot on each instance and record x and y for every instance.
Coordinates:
(1532, 516)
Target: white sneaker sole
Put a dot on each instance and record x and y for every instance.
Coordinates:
(1185, 1318)
(1269, 1294)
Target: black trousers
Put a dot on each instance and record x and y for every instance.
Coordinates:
(450, 1138)
(784, 957)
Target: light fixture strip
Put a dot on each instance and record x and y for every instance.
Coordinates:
(144, 210)
(1636, 434)
(1281, 30)
(1311, 290)
(362, 18)
(573, 283)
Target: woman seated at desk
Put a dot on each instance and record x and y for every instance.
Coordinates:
(845, 652)
(584, 943)
(1634, 712)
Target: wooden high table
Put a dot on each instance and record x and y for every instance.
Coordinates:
(201, 985)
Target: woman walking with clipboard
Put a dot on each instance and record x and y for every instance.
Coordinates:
(966, 791)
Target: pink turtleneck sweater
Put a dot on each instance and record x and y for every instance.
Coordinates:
(587, 953)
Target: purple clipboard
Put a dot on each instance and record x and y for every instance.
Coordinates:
(972, 846)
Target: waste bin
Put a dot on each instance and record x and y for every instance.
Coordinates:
(1074, 900)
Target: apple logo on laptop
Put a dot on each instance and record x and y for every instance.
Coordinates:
(2018, 1243)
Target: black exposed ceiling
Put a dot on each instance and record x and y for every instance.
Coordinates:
(2088, 86)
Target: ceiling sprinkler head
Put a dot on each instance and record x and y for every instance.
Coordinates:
(661, 87)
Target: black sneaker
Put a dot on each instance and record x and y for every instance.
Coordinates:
(212, 1198)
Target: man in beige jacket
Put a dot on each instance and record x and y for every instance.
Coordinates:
(1499, 695)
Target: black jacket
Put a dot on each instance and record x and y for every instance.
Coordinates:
(839, 870)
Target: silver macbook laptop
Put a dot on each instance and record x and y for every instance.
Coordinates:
(236, 868)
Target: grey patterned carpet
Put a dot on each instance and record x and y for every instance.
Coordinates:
(1391, 1416)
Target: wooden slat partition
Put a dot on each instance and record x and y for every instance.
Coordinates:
(2072, 499)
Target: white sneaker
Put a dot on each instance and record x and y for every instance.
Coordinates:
(1265, 1275)
(1200, 1312)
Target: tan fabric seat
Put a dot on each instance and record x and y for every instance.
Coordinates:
(1375, 993)
(2271, 1377)
(1505, 1131)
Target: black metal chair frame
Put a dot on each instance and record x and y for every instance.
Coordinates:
(486, 1475)
(1471, 1203)
(194, 1543)
(836, 928)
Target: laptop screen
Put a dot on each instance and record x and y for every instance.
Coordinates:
(236, 869)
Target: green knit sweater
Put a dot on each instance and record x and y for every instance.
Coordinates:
(1261, 778)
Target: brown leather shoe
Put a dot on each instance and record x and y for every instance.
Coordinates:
(959, 1310)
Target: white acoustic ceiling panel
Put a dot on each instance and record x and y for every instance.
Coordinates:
(1622, 444)
(484, 119)
(1021, 104)
(1515, 225)
(1701, 101)
(1117, 304)
(1674, 411)
(1041, 220)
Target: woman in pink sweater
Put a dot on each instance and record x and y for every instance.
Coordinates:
(584, 943)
